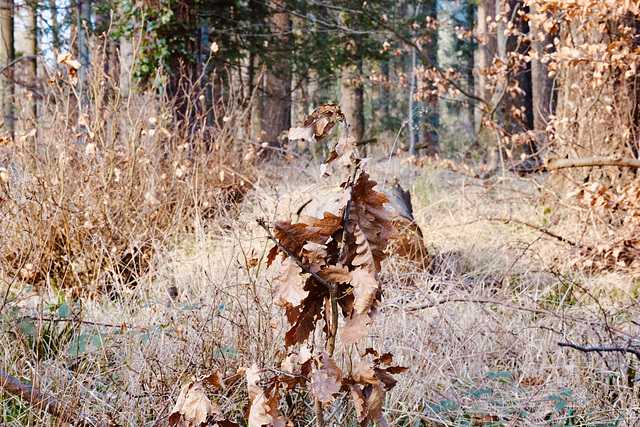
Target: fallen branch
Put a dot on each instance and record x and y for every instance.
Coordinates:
(554, 164)
(44, 402)
(601, 349)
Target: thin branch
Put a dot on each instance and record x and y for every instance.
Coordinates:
(514, 306)
(601, 349)
(554, 164)
(535, 227)
(15, 61)
(293, 257)
(44, 402)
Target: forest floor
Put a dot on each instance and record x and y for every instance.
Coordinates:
(480, 332)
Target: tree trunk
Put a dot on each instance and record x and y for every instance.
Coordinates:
(84, 22)
(431, 122)
(352, 98)
(276, 94)
(31, 50)
(541, 86)
(7, 54)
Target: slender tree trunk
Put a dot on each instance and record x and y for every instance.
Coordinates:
(84, 22)
(541, 86)
(276, 96)
(32, 50)
(432, 113)
(352, 99)
(7, 54)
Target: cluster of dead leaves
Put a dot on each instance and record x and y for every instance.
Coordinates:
(336, 253)
(367, 385)
(315, 242)
(619, 210)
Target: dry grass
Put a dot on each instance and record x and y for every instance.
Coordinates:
(483, 352)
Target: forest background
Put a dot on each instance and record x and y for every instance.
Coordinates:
(134, 132)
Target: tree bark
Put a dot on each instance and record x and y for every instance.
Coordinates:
(541, 86)
(7, 55)
(352, 98)
(84, 22)
(32, 50)
(275, 106)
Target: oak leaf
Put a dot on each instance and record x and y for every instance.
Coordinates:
(193, 406)
(318, 124)
(326, 379)
(359, 401)
(365, 287)
(363, 373)
(355, 328)
(289, 290)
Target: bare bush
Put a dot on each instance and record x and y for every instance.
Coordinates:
(104, 174)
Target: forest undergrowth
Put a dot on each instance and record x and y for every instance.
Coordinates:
(479, 331)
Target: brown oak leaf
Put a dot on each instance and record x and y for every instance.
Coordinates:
(365, 287)
(193, 406)
(289, 290)
(363, 373)
(326, 379)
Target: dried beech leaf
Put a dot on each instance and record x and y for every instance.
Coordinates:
(363, 373)
(289, 290)
(365, 288)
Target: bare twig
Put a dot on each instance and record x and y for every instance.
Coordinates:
(535, 227)
(293, 257)
(601, 349)
(514, 306)
(44, 402)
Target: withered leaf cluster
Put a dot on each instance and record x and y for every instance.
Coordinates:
(316, 242)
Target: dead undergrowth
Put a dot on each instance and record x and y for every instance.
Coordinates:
(480, 333)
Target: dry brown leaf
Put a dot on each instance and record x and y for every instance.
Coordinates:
(365, 288)
(318, 124)
(289, 290)
(326, 379)
(359, 402)
(193, 406)
(374, 404)
(335, 274)
(363, 373)
(215, 380)
(314, 255)
(354, 328)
